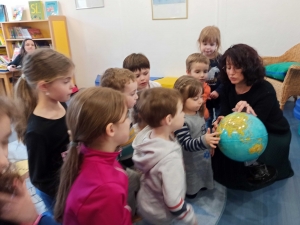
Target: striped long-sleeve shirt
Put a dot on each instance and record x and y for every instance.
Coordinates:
(190, 144)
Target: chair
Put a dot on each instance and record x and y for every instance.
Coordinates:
(290, 86)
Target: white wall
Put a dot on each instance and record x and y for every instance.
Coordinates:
(102, 37)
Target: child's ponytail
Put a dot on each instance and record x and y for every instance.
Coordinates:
(89, 113)
(26, 100)
(71, 169)
(41, 65)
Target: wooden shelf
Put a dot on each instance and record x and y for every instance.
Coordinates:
(35, 39)
(2, 46)
(24, 21)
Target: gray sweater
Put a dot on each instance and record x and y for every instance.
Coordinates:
(197, 159)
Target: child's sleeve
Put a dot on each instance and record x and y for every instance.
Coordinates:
(173, 181)
(106, 206)
(190, 144)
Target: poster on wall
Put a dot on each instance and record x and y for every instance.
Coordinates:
(88, 4)
(169, 9)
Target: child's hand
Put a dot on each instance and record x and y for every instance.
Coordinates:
(211, 138)
(214, 95)
(216, 123)
(212, 152)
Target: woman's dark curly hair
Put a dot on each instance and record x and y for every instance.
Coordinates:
(243, 57)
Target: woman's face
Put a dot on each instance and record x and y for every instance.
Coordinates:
(5, 132)
(29, 46)
(234, 74)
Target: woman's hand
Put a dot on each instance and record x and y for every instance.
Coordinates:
(216, 123)
(244, 106)
(211, 138)
(18, 207)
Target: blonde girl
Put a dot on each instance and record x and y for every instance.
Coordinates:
(194, 139)
(210, 43)
(93, 185)
(40, 93)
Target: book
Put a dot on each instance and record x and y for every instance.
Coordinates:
(5, 59)
(2, 40)
(36, 9)
(35, 33)
(3, 13)
(51, 8)
(17, 13)
(17, 51)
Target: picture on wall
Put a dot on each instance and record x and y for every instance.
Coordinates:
(169, 9)
(88, 4)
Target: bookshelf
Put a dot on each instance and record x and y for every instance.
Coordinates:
(54, 31)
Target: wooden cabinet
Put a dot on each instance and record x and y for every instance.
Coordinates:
(54, 31)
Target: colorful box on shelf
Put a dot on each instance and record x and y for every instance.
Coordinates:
(167, 82)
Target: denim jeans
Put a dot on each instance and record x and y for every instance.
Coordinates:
(213, 115)
(48, 200)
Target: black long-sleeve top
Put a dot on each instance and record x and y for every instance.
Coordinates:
(45, 140)
(262, 98)
(17, 61)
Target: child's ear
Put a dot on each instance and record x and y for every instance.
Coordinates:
(42, 86)
(168, 119)
(110, 130)
(188, 72)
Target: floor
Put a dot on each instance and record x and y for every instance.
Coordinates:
(277, 204)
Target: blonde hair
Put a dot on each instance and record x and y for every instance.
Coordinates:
(157, 103)
(42, 64)
(189, 87)
(195, 58)
(89, 113)
(116, 78)
(211, 34)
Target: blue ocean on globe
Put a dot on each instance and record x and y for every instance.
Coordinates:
(243, 137)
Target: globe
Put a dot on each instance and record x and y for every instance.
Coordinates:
(243, 137)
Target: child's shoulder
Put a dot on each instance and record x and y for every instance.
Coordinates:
(153, 84)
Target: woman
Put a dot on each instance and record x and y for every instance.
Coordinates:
(28, 46)
(245, 89)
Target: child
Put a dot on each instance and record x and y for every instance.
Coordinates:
(124, 80)
(194, 138)
(93, 185)
(140, 66)
(45, 83)
(158, 156)
(197, 66)
(15, 201)
(210, 43)
(28, 46)
(137, 121)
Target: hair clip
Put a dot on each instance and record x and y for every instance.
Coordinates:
(73, 144)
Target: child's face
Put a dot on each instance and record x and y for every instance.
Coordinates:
(29, 46)
(130, 93)
(178, 119)
(142, 78)
(199, 71)
(61, 89)
(208, 48)
(192, 105)
(122, 129)
(235, 75)
(5, 132)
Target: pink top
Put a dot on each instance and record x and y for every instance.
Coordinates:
(99, 193)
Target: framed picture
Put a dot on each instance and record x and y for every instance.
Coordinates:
(88, 4)
(169, 9)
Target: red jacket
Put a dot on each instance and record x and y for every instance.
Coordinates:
(99, 193)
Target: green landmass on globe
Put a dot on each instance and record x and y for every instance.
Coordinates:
(243, 137)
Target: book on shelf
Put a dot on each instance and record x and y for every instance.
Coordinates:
(3, 13)
(25, 32)
(4, 59)
(51, 8)
(2, 40)
(17, 13)
(36, 9)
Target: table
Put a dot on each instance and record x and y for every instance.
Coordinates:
(7, 84)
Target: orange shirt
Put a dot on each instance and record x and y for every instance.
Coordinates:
(205, 96)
